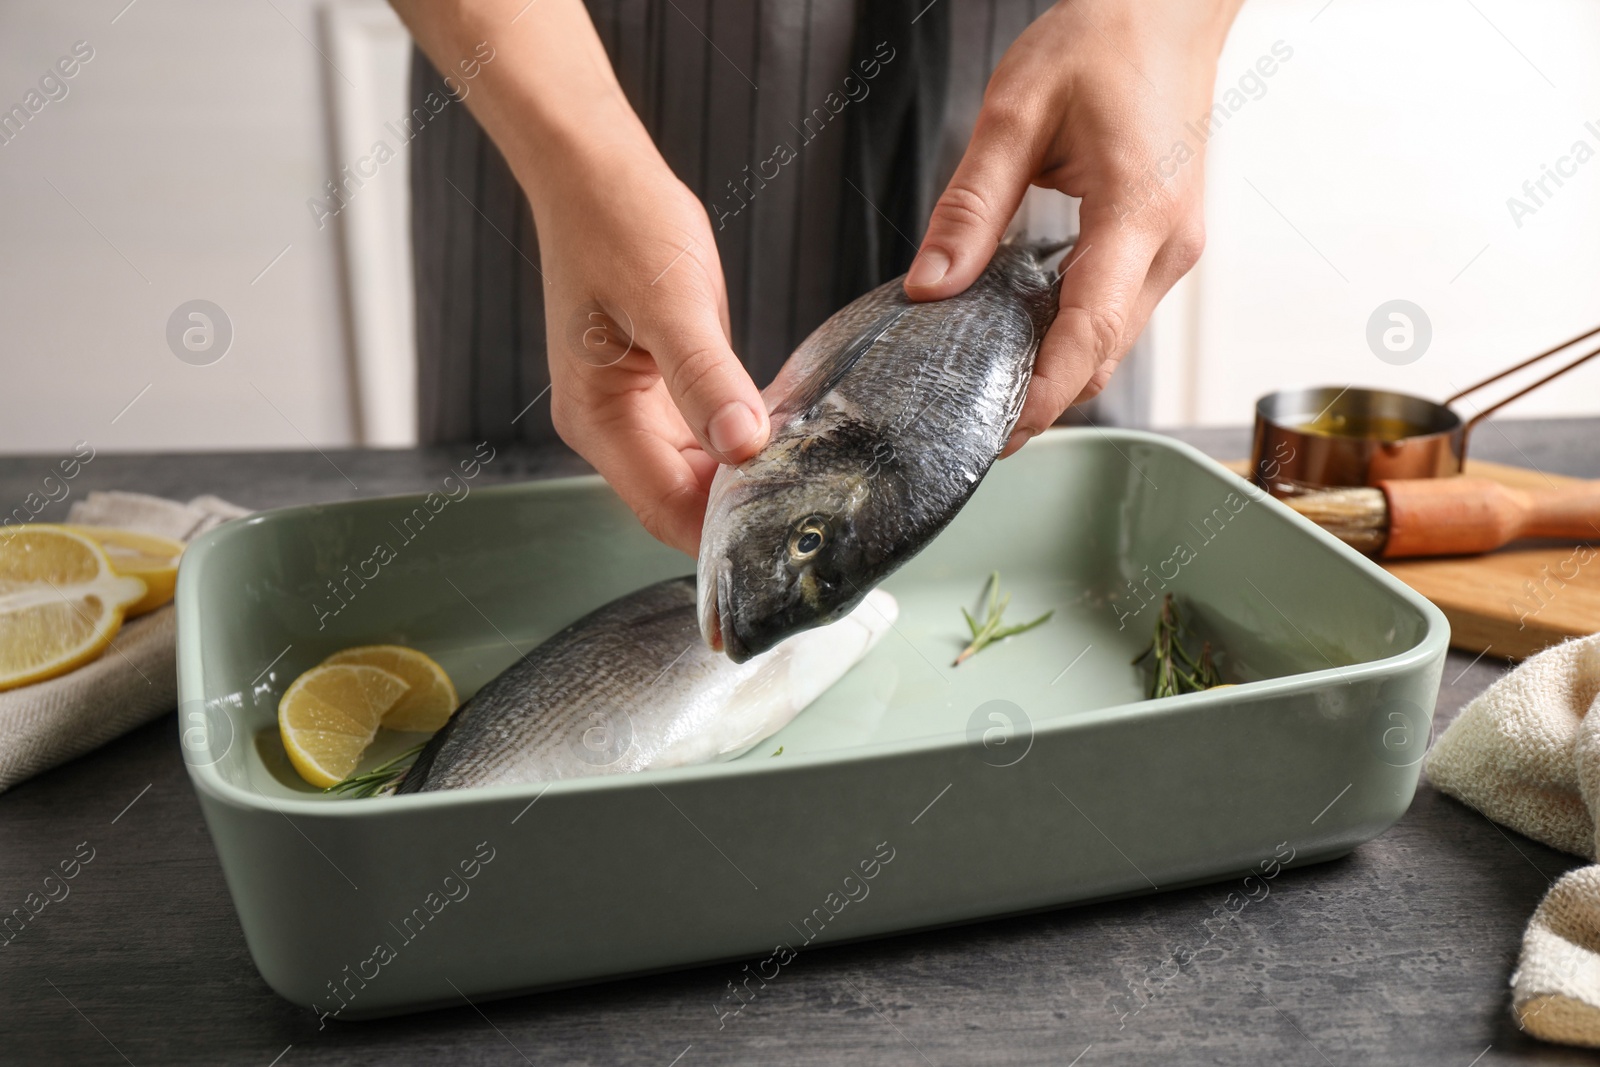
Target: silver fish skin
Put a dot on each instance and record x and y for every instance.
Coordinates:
(632, 687)
(884, 421)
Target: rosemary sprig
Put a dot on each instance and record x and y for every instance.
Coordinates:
(1176, 670)
(377, 780)
(992, 630)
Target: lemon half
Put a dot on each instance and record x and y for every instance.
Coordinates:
(147, 557)
(61, 603)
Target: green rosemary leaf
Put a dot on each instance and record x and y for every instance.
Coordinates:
(371, 783)
(1175, 669)
(1012, 631)
(992, 629)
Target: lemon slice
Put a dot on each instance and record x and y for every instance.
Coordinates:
(432, 696)
(60, 603)
(151, 559)
(329, 716)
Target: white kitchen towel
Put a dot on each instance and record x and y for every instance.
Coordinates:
(1526, 753)
(131, 682)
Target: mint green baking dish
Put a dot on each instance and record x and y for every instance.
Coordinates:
(912, 795)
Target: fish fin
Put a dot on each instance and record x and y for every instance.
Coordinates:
(821, 378)
(788, 678)
(414, 779)
(1046, 249)
(1042, 250)
(761, 704)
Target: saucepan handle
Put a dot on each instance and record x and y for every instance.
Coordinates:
(1492, 408)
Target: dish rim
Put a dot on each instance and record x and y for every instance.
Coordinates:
(207, 780)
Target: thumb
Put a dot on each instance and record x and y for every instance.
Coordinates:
(972, 215)
(721, 405)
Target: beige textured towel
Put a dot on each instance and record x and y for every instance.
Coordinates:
(1526, 753)
(133, 681)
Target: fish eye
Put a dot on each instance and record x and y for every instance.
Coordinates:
(807, 539)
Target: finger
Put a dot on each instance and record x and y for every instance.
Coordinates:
(644, 449)
(683, 331)
(975, 209)
(1101, 314)
(1149, 296)
(1176, 258)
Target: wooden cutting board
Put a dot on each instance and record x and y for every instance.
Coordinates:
(1519, 600)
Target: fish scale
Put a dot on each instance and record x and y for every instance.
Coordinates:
(884, 421)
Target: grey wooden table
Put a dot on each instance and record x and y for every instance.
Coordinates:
(1397, 954)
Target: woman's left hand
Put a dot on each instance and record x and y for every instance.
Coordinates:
(1093, 100)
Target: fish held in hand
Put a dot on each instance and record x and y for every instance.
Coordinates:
(632, 687)
(884, 421)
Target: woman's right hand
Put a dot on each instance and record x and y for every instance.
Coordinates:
(644, 384)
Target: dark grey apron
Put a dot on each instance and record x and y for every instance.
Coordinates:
(845, 215)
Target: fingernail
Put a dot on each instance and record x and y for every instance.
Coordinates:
(929, 268)
(1017, 439)
(732, 428)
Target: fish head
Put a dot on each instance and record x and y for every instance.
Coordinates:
(781, 553)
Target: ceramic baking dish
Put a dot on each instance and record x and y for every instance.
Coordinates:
(911, 795)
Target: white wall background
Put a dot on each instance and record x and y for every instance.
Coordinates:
(191, 142)
(1391, 141)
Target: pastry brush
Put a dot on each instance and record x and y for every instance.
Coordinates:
(1456, 516)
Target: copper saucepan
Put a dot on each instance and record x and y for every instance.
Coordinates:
(1328, 436)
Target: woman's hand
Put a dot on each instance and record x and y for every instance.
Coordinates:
(1093, 100)
(643, 382)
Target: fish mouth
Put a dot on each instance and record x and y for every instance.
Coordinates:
(712, 631)
(709, 596)
(728, 639)
(716, 621)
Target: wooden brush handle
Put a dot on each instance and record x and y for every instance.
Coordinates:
(1464, 516)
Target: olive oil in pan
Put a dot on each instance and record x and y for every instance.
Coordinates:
(1386, 428)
